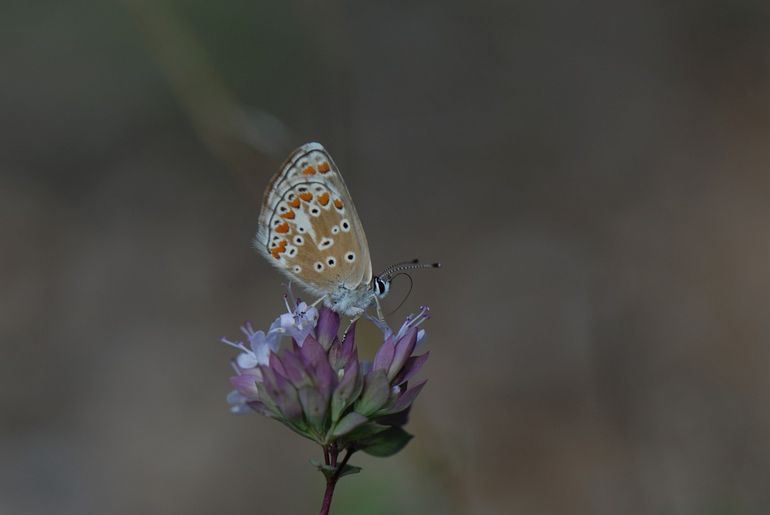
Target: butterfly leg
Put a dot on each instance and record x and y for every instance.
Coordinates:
(316, 303)
(379, 309)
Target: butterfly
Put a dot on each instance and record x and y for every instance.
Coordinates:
(309, 229)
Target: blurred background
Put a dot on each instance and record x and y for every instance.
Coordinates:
(593, 175)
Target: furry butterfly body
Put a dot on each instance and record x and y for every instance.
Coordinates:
(309, 229)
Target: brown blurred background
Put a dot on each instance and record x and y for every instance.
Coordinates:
(593, 175)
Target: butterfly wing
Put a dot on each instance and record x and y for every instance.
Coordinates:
(308, 225)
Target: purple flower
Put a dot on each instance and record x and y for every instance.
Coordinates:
(327, 327)
(260, 345)
(413, 321)
(298, 323)
(316, 384)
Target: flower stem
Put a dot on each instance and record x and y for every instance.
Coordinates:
(331, 454)
(330, 457)
(327, 502)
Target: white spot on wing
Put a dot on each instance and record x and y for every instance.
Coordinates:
(303, 223)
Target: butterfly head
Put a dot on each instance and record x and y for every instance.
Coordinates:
(381, 286)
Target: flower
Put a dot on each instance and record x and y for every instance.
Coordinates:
(260, 345)
(298, 323)
(316, 384)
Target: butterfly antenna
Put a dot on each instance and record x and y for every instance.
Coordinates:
(391, 268)
(411, 285)
(406, 265)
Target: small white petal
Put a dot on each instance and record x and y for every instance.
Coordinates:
(275, 326)
(247, 360)
(287, 321)
(235, 397)
(257, 339)
(262, 354)
(273, 340)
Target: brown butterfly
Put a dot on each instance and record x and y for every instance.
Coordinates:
(309, 229)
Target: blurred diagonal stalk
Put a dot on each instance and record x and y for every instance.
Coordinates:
(237, 137)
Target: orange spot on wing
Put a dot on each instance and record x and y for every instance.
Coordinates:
(309, 170)
(295, 202)
(283, 228)
(338, 203)
(323, 198)
(279, 249)
(324, 167)
(307, 196)
(288, 215)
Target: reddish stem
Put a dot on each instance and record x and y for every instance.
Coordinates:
(331, 482)
(330, 457)
(327, 502)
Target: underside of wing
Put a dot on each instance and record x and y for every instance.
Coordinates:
(308, 226)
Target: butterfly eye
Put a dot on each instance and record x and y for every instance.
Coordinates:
(380, 287)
